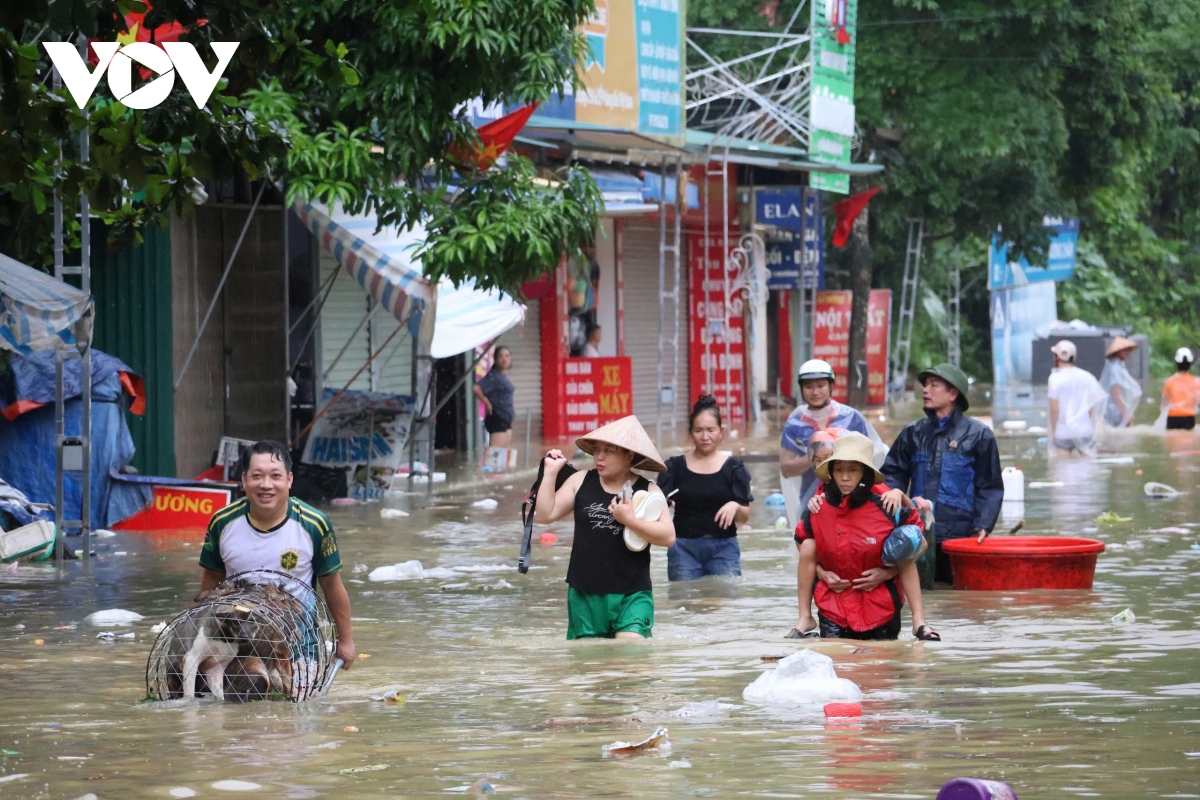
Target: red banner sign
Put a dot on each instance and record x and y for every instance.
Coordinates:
(178, 508)
(716, 348)
(596, 391)
(832, 341)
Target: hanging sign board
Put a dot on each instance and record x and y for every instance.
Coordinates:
(361, 428)
(832, 340)
(716, 347)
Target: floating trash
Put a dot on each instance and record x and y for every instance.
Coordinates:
(804, 678)
(1127, 616)
(393, 696)
(114, 616)
(392, 513)
(781, 523)
(1045, 484)
(774, 500)
(655, 740)
(182, 791)
(1160, 491)
(236, 786)
(1169, 530)
(1110, 518)
(487, 504)
(705, 708)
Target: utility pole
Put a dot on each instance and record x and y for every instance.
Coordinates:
(861, 258)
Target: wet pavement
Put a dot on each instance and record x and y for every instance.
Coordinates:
(1037, 688)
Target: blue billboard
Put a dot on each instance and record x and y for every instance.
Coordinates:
(795, 238)
(1060, 259)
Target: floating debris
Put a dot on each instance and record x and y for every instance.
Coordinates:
(1127, 616)
(487, 504)
(392, 513)
(1160, 491)
(114, 616)
(1110, 518)
(655, 740)
(236, 786)
(352, 770)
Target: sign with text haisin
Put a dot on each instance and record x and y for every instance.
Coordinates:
(832, 340)
(597, 391)
(716, 324)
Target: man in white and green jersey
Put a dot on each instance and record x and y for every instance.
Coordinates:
(269, 530)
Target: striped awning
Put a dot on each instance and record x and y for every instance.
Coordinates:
(39, 312)
(449, 321)
(383, 263)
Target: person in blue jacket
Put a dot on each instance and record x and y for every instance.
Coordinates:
(948, 463)
(818, 412)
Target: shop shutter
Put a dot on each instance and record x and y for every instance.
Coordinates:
(340, 317)
(641, 257)
(525, 342)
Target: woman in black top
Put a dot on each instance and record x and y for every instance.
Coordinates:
(495, 390)
(609, 593)
(711, 492)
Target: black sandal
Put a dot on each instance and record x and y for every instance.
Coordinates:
(796, 633)
(927, 634)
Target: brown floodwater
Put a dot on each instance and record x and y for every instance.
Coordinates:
(1036, 688)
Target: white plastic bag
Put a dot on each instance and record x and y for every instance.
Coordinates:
(805, 678)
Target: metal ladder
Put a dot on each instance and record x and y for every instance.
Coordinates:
(908, 298)
(953, 318)
(73, 453)
(668, 296)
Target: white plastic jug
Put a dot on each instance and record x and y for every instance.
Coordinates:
(1014, 484)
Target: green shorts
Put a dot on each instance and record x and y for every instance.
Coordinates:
(603, 616)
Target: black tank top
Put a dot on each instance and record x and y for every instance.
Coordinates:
(600, 561)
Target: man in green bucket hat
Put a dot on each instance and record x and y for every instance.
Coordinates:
(948, 463)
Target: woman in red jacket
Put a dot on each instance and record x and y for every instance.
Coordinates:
(857, 596)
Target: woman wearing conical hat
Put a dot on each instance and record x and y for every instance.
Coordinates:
(1122, 391)
(608, 579)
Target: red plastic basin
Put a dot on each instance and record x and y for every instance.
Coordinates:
(1006, 563)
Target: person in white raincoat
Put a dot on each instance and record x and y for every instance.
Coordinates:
(1122, 391)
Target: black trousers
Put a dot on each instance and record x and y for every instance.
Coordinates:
(1181, 423)
(891, 630)
(941, 567)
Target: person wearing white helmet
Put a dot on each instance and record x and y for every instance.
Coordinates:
(1181, 393)
(818, 411)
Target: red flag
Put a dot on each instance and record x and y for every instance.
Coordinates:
(847, 211)
(495, 137)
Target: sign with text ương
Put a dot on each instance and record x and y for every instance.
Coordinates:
(716, 328)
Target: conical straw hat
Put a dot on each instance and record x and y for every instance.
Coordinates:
(1118, 344)
(626, 432)
(854, 447)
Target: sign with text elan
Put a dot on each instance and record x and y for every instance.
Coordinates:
(832, 340)
(597, 391)
(716, 324)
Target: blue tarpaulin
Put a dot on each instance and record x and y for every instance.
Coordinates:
(27, 443)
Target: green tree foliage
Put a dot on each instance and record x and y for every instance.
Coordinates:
(990, 114)
(356, 103)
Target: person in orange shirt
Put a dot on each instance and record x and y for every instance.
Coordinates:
(1181, 393)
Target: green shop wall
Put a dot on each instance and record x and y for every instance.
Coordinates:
(132, 288)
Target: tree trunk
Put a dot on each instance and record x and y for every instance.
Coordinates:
(861, 257)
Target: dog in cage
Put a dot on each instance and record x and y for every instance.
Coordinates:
(256, 636)
(236, 644)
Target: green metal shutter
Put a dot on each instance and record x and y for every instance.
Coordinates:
(132, 288)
